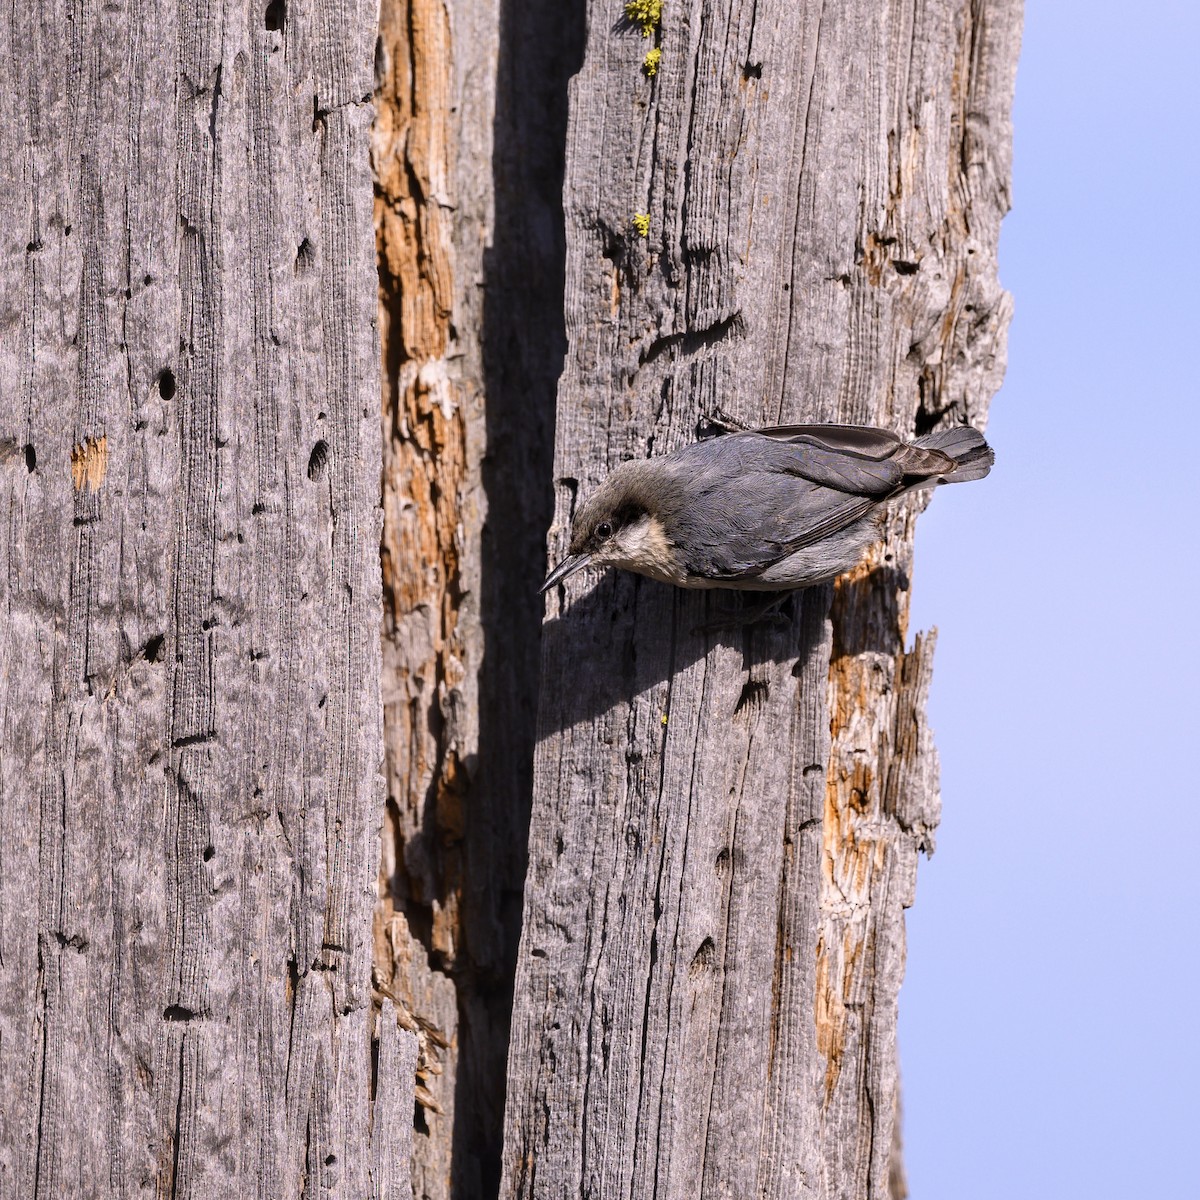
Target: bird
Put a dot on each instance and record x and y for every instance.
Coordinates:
(772, 509)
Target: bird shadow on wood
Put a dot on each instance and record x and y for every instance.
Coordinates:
(628, 635)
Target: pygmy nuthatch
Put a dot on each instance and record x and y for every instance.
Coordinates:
(776, 508)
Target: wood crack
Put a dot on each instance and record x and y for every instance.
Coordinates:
(692, 342)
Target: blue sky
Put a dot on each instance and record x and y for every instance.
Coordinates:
(1050, 1012)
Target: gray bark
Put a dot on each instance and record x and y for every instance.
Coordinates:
(726, 826)
(189, 701)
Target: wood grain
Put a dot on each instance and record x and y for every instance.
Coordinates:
(726, 825)
(190, 599)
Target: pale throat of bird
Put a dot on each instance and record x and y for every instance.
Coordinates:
(643, 546)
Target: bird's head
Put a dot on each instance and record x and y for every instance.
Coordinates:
(623, 524)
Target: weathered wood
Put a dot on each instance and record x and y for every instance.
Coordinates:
(467, 152)
(189, 589)
(392, 1111)
(726, 826)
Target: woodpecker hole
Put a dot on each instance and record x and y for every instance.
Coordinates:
(318, 460)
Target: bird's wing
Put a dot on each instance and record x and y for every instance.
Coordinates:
(850, 458)
(863, 441)
(755, 498)
(748, 522)
(871, 461)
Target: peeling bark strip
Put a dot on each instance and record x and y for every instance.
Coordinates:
(793, 217)
(431, 519)
(467, 156)
(189, 701)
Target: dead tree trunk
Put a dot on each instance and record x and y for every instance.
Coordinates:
(189, 598)
(776, 211)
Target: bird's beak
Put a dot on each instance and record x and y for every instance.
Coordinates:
(568, 566)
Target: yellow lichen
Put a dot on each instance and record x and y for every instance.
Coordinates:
(651, 61)
(641, 224)
(645, 14)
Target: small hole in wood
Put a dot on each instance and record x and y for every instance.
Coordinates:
(754, 695)
(318, 459)
(276, 15)
(209, 851)
(30, 459)
(704, 958)
(380, 62)
(166, 383)
(153, 649)
(306, 256)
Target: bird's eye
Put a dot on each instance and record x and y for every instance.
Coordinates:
(603, 530)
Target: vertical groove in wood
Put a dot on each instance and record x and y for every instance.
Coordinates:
(467, 156)
(189, 593)
(726, 826)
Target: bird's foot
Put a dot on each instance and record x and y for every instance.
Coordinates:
(715, 423)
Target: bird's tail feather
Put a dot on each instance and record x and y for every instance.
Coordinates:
(973, 457)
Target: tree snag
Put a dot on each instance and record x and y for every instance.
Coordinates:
(792, 217)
